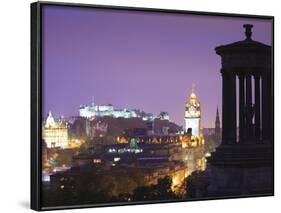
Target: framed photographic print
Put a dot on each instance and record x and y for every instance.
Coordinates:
(137, 106)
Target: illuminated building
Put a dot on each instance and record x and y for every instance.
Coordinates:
(192, 115)
(92, 111)
(45, 163)
(55, 133)
(164, 116)
(122, 140)
(131, 148)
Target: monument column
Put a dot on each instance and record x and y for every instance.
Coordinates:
(257, 107)
(232, 105)
(265, 114)
(270, 109)
(225, 106)
(246, 58)
(241, 106)
(228, 107)
(249, 123)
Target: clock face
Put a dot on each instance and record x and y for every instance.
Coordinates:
(192, 111)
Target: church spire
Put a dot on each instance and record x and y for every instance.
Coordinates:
(217, 116)
(217, 126)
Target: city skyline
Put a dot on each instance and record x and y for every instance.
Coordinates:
(135, 61)
(151, 106)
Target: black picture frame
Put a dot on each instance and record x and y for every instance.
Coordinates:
(36, 96)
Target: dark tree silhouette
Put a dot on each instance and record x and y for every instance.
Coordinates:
(196, 184)
(160, 191)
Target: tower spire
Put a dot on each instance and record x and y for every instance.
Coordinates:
(217, 117)
(193, 88)
(192, 95)
(217, 126)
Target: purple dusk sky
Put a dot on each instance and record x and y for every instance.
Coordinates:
(137, 60)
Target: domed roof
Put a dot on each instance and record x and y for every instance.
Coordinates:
(50, 121)
(192, 99)
(192, 95)
(244, 46)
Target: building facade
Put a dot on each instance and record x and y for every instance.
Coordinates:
(55, 133)
(93, 110)
(192, 115)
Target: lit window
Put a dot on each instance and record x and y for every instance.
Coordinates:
(116, 159)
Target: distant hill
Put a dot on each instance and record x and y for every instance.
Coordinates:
(120, 126)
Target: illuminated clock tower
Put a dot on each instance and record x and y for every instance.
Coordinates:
(192, 115)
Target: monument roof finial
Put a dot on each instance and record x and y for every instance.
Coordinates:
(248, 31)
